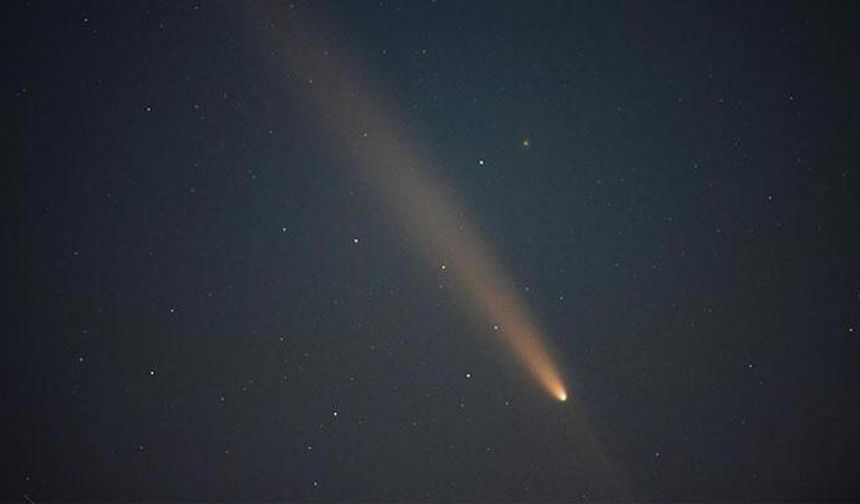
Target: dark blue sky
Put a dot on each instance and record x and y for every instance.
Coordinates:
(201, 301)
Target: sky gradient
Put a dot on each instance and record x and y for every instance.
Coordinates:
(297, 251)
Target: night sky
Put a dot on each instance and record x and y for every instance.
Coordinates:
(214, 286)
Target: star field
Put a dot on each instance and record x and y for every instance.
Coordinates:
(205, 299)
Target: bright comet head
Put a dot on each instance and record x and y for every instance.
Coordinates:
(562, 396)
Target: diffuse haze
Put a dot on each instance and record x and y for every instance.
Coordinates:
(364, 129)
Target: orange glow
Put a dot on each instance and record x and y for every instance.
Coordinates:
(362, 126)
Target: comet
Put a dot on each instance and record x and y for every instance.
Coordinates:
(361, 122)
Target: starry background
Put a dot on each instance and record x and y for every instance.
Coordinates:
(201, 303)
